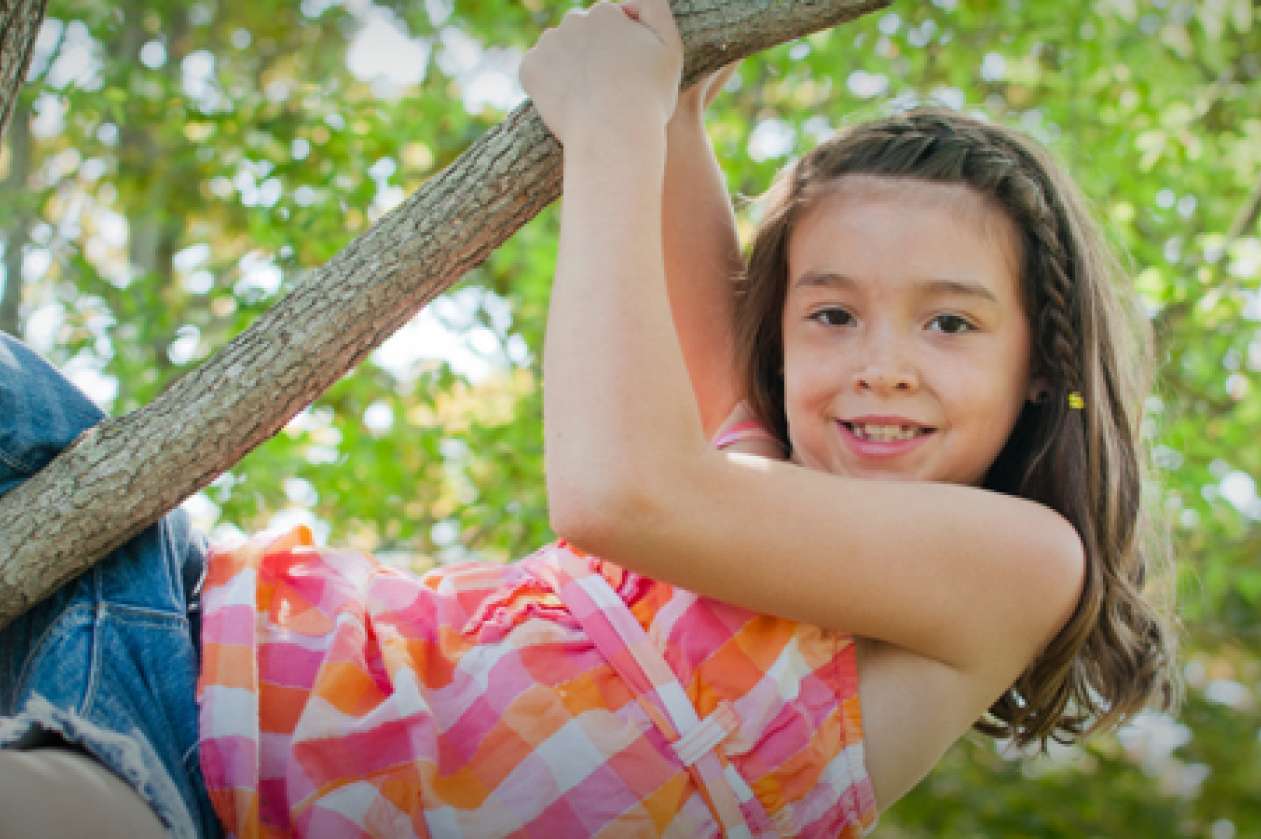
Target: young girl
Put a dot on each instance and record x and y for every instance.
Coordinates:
(943, 526)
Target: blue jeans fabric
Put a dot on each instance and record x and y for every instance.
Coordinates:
(109, 662)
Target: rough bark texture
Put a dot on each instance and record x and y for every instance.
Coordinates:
(125, 473)
(19, 24)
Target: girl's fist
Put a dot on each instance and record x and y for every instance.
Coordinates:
(607, 68)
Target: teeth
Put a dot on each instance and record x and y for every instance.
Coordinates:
(885, 433)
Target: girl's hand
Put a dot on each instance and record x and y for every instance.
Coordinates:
(609, 68)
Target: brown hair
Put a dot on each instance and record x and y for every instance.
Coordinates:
(1115, 653)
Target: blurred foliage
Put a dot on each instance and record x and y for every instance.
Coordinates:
(187, 161)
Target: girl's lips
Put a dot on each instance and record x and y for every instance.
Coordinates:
(880, 448)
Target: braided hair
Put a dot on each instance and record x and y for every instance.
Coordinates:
(1114, 655)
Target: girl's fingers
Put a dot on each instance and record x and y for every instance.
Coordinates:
(657, 16)
(598, 63)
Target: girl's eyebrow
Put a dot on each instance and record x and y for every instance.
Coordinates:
(925, 288)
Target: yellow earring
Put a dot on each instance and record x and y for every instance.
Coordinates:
(1075, 401)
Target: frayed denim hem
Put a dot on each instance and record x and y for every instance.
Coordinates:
(128, 756)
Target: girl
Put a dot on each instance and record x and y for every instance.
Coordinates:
(944, 523)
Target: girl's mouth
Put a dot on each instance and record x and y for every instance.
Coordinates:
(885, 433)
(882, 439)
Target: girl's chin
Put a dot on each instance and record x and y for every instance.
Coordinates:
(845, 470)
(878, 475)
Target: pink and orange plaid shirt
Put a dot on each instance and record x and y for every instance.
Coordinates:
(560, 696)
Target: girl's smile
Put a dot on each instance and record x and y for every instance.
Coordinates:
(882, 437)
(906, 345)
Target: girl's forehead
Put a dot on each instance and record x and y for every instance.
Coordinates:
(861, 189)
(902, 218)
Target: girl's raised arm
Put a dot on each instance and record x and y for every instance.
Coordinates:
(606, 87)
(976, 580)
(702, 260)
(702, 255)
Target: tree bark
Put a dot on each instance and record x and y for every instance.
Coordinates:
(126, 472)
(19, 232)
(19, 24)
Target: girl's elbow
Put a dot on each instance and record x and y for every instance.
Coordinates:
(1067, 571)
(1054, 582)
(1063, 554)
(575, 520)
(615, 506)
(593, 514)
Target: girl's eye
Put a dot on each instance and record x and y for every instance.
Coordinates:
(832, 317)
(951, 324)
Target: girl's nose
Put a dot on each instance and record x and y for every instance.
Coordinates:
(886, 377)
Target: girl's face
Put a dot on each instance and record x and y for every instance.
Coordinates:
(906, 347)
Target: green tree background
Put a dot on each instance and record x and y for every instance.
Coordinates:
(172, 167)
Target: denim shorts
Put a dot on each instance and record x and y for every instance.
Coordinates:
(109, 662)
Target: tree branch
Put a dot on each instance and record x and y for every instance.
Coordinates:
(126, 472)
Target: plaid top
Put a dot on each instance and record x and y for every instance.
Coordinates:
(560, 696)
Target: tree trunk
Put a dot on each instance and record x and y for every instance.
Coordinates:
(126, 472)
(153, 232)
(19, 233)
(19, 24)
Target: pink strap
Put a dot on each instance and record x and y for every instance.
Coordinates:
(746, 430)
(624, 644)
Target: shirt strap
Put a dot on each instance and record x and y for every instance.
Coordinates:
(746, 430)
(618, 637)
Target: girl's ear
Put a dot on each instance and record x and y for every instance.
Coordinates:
(1039, 390)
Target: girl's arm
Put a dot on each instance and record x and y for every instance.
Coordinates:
(976, 580)
(702, 255)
